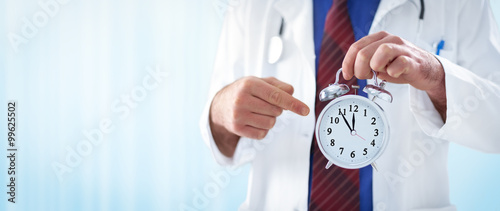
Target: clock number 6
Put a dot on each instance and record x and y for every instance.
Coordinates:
(352, 154)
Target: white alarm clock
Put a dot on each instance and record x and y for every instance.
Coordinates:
(352, 131)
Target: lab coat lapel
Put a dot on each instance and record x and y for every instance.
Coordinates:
(385, 7)
(298, 16)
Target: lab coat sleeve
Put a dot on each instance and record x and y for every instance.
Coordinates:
(472, 85)
(228, 67)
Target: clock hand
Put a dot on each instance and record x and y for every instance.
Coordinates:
(353, 121)
(347, 123)
(360, 137)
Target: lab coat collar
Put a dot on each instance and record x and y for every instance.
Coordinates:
(385, 7)
(298, 15)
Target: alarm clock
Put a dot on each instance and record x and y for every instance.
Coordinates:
(352, 131)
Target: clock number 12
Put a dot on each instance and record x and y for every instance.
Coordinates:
(355, 108)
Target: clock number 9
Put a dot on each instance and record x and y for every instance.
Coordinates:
(329, 130)
(332, 142)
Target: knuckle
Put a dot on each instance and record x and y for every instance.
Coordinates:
(383, 33)
(239, 100)
(272, 78)
(287, 88)
(355, 47)
(397, 40)
(404, 60)
(376, 65)
(235, 116)
(385, 47)
(247, 82)
(275, 97)
(362, 55)
(294, 106)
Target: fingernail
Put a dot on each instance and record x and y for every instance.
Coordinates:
(400, 73)
(305, 111)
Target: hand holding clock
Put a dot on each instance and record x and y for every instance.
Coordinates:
(398, 61)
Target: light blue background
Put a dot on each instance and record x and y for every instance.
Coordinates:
(67, 77)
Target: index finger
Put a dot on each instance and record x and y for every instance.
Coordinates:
(280, 98)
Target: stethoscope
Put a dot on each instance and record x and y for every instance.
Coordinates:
(276, 43)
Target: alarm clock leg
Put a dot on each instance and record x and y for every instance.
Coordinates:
(374, 165)
(328, 165)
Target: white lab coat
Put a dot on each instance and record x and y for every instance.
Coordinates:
(413, 170)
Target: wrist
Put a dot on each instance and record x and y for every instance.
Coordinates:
(225, 140)
(437, 89)
(436, 79)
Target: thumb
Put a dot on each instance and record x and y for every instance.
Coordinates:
(279, 84)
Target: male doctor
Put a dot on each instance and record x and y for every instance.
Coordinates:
(441, 59)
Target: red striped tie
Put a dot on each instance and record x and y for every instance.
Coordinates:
(334, 188)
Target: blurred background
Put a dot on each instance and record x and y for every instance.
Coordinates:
(109, 95)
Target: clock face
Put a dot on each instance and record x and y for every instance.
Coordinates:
(352, 131)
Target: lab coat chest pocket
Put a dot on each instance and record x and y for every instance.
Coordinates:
(448, 50)
(450, 54)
